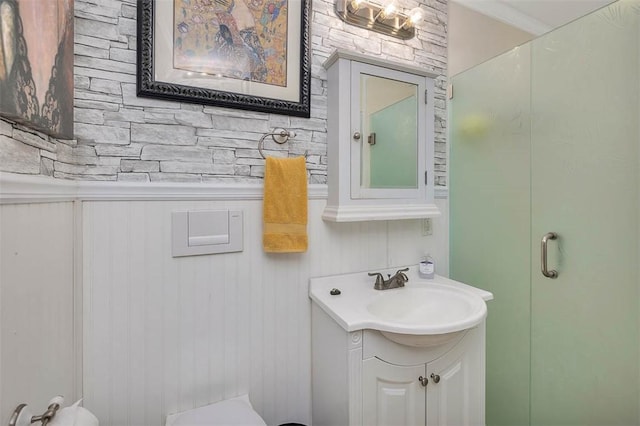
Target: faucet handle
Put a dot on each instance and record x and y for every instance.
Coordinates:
(401, 274)
(379, 278)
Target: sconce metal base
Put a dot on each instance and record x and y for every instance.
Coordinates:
(365, 17)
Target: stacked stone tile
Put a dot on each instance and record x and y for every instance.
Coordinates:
(120, 136)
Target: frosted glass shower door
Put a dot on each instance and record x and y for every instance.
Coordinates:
(490, 218)
(584, 186)
(545, 138)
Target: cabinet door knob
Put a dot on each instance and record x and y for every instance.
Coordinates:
(435, 378)
(357, 136)
(423, 381)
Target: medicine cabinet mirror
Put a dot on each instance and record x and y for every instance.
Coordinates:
(380, 128)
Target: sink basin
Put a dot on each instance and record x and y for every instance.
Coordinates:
(435, 305)
(447, 311)
(423, 313)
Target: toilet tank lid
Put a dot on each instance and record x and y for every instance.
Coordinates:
(230, 412)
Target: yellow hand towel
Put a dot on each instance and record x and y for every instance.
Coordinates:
(285, 205)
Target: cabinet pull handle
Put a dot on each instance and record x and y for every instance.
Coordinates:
(372, 139)
(423, 381)
(357, 136)
(435, 378)
(543, 255)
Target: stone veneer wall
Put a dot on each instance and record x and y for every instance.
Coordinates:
(122, 137)
(27, 151)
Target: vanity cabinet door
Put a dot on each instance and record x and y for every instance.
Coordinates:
(453, 394)
(392, 394)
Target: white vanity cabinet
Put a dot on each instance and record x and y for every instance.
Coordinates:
(361, 378)
(380, 140)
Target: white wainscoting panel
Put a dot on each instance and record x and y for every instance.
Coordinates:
(165, 334)
(37, 347)
(407, 244)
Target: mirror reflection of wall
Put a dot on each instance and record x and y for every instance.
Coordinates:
(389, 117)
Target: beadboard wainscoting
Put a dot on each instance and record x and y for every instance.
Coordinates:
(165, 334)
(93, 305)
(39, 355)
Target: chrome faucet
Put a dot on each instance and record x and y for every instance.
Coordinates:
(396, 281)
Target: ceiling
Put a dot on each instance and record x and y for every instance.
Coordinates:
(534, 16)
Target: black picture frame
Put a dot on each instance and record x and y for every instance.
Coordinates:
(148, 86)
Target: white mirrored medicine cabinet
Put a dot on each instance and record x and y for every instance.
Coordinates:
(380, 140)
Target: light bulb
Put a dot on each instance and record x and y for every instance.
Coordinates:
(355, 4)
(389, 9)
(415, 15)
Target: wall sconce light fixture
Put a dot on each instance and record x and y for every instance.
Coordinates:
(383, 17)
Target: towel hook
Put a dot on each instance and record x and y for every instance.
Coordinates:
(279, 136)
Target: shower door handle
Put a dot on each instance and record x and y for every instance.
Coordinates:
(543, 255)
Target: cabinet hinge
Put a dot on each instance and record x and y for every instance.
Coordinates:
(450, 91)
(426, 96)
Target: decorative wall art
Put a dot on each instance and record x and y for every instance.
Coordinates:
(36, 64)
(246, 54)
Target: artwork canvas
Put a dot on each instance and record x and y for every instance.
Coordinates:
(242, 39)
(246, 54)
(36, 64)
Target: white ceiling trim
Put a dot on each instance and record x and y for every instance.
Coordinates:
(507, 14)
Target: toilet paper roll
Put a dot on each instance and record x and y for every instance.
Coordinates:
(74, 415)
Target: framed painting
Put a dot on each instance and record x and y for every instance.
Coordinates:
(246, 54)
(36, 64)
